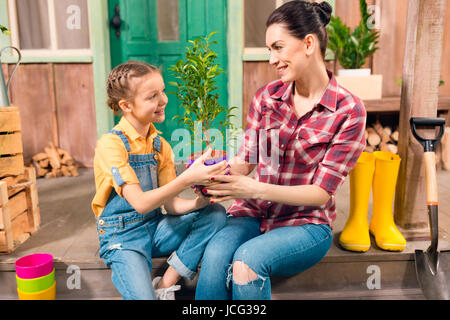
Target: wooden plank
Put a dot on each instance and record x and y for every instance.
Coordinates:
(11, 165)
(392, 104)
(421, 69)
(34, 217)
(17, 205)
(76, 111)
(445, 63)
(30, 91)
(6, 239)
(445, 147)
(19, 226)
(391, 45)
(10, 119)
(11, 143)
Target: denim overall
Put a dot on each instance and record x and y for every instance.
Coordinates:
(129, 240)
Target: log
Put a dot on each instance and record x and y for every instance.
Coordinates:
(53, 156)
(388, 147)
(373, 139)
(55, 162)
(394, 136)
(385, 138)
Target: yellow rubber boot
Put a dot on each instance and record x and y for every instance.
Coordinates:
(382, 225)
(355, 236)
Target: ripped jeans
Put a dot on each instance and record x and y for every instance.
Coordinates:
(280, 252)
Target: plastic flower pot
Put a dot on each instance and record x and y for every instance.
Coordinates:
(36, 284)
(34, 266)
(216, 157)
(47, 294)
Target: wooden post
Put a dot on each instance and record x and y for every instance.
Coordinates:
(419, 98)
(34, 217)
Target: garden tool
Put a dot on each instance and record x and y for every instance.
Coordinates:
(432, 266)
(4, 101)
(355, 236)
(382, 226)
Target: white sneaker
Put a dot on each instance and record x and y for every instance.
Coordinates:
(165, 293)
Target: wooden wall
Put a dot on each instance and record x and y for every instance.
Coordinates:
(56, 103)
(388, 60)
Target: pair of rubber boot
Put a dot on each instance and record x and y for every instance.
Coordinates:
(377, 171)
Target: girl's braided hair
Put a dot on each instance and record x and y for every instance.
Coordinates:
(118, 83)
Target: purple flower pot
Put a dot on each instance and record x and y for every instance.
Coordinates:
(217, 157)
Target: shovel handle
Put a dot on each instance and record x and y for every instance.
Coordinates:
(430, 177)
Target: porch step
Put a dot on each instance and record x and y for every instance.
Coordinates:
(340, 275)
(68, 232)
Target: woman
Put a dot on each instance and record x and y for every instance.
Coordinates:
(304, 134)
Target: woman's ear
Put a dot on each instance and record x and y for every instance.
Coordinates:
(310, 44)
(124, 106)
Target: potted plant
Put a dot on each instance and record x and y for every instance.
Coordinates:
(196, 88)
(351, 50)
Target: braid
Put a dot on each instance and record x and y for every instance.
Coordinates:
(118, 83)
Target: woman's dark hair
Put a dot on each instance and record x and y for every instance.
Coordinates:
(302, 18)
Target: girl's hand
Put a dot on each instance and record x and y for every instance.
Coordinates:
(235, 187)
(201, 201)
(199, 174)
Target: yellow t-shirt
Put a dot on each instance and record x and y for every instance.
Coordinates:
(111, 152)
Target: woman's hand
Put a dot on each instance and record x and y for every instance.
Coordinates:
(199, 174)
(235, 187)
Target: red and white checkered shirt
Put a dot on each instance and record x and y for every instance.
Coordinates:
(319, 148)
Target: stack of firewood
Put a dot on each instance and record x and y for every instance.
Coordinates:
(379, 138)
(54, 162)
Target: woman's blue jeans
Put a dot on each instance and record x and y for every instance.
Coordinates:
(280, 252)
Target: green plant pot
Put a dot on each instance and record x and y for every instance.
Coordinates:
(36, 284)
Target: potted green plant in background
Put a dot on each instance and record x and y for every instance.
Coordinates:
(196, 88)
(351, 50)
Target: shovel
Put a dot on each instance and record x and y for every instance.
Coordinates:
(432, 266)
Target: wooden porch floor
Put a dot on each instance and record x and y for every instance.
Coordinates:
(68, 229)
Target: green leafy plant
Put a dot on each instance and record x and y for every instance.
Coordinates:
(352, 48)
(5, 30)
(196, 88)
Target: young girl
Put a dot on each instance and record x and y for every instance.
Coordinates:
(135, 176)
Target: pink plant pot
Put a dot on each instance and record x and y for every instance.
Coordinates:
(34, 266)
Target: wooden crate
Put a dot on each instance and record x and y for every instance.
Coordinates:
(11, 150)
(19, 210)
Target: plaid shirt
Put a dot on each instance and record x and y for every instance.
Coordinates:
(319, 148)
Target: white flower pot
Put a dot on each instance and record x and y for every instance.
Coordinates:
(361, 83)
(354, 72)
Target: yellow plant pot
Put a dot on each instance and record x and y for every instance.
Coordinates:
(48, 294)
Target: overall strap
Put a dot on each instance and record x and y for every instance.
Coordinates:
(157, 144)
(123, 137)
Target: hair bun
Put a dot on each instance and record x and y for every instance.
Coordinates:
(324, 11)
